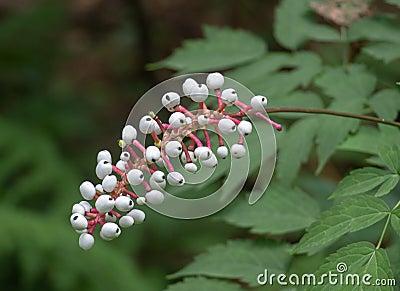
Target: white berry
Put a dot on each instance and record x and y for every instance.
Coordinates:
(188, 86)
(138, 215)
(129, 133)
(173, 148)
(105, 203)
(104, 155)
(175, 179)
(226, 126)
(77, 208)
(212, 162)
(191, 167)
(222, 152)
(87, 190)
(126, 221)
(258, 103)
(170, 100)
(152, 154)
(103, 169)
(125, 156)
(109, 183)
(177, 119)
(109, 217)
(157, 180)
(110, 230)
(78, 221)
(154, 197)
(141, 200)
(191, 155)
(157, 128)
(202, 120)
(135, 177)
(86, 241)
(124, 203)
(146, 124)
(99, 188)
(229, 96)
(238, 151)
(202, 153)
(215, 81)
(121, 165)
(199, 93)
(245, 127)
(86, 205)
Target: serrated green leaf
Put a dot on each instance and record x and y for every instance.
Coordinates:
(377, 28)
(359, 258)
(386, 103)
(334, 129)
(365, 140)
(395, 220)
(349, 216)
(388, 185)
(221, 48)
(295, 147)
(203, 284)
(293, 27)
(390, 155)
(240, 259)
(277, 74)
(361, 181)
(386, 51)
(355, 82)
(266, 215)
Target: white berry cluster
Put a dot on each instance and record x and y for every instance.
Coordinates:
(109, 204)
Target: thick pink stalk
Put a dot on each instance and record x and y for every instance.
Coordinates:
(182, 109)
(146, 186)
(207, 137)
(242, 105)
(274, 124)
(218, 94)
(130, 193)
(137, 144)
(196, 140)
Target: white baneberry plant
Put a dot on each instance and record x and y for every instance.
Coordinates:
(109, 205)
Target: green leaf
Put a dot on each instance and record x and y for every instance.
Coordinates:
(349, 216)
(386, 103)
(240, 259)
(365, 140)
(295, 147)
(385, 51)
(221, 48)
(302, 99)
(378, 28)
(390, 155)
(393, 2)
(359, 258)
(361, 181)
(203, 284)
(266, 215)
(388, 185)
(292, 26)
(395, 220)
(277, 74)
(354, 83)
(333, 130)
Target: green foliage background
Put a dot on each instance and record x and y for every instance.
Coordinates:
(70, 73)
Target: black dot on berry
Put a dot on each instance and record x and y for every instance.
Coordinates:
(199, 85)
(110, 199)
(233, 128)
(233, 92)
(182, 121)
(153, 160)
(262, 99)
(180, 181)
(117, 231)
(167, 97)
(141, 176)
(75, 217)
(163, 177)
(130, 203)
(179, 148)
(148, 119)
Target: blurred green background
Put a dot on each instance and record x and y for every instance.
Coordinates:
(70, 71)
